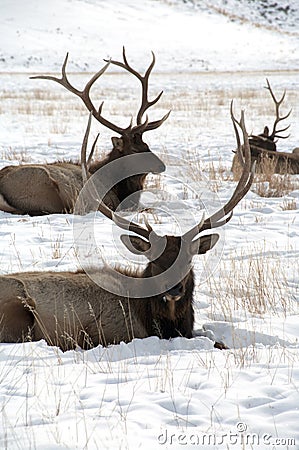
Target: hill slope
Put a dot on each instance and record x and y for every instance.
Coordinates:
(35, 36)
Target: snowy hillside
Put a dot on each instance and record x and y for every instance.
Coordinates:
(151, 393)
(186, 36)
(282, 16)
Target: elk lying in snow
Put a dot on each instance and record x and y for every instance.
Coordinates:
(263, 146)
(68, 308)
(38, 189)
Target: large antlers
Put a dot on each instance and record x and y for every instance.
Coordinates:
(279, 118)
(223, 215)
(84, 94)
(97, 113)
(145, 103)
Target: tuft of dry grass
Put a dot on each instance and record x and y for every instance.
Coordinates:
(275, 185)
(56, 247)
(289, 205)
(11, 154)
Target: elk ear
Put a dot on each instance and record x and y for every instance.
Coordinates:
(203, 244)
(135, 244)
(118, 143)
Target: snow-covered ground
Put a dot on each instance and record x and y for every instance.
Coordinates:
(150, 393)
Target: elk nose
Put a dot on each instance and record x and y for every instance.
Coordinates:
(176, 291)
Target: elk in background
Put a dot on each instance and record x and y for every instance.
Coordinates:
(263, 146)
(38, 189)
(68, 308)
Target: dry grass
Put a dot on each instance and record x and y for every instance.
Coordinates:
(57, 247)
(277, 186)
(255, 283)
(289, 205)
(267, 183)
(11, 154)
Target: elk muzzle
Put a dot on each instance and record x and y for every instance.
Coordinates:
(174, 294)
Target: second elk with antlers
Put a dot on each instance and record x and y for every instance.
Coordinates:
(263, 146)
(38, 189)
(68, 308)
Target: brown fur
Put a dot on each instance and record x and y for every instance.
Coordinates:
(263, 140)
(38, 189)
(68, 308)
(15, 311)
(41, 189)
(283, 162)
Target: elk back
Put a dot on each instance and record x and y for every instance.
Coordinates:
(40, 189)
(44, 189)
(66, 309)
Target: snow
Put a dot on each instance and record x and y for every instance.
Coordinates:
(36, 36)
(152, 393)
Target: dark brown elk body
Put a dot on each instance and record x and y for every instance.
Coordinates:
(68, 309)
(38, 189)
(263, 140)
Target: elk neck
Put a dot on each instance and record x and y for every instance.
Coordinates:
(126, 187)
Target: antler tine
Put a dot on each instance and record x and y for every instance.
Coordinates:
(246, 178)
(142, 127)
(118, 220)
(278, 117)
(128, 225)
(84, 164)
(195, 230)
(92, 151)
(282, 130)
(282, 137)
(239, 146)
(63, 80)
(278, 102)
(156, 123)
(148, 226)
(223, 215)
(84, 94)
(145, 102)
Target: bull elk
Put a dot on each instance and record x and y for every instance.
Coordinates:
(68, 308)
(38, 189)
(263, 146)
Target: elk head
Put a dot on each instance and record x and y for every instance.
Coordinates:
(131, 137)
(165, 252)
(267, 140)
